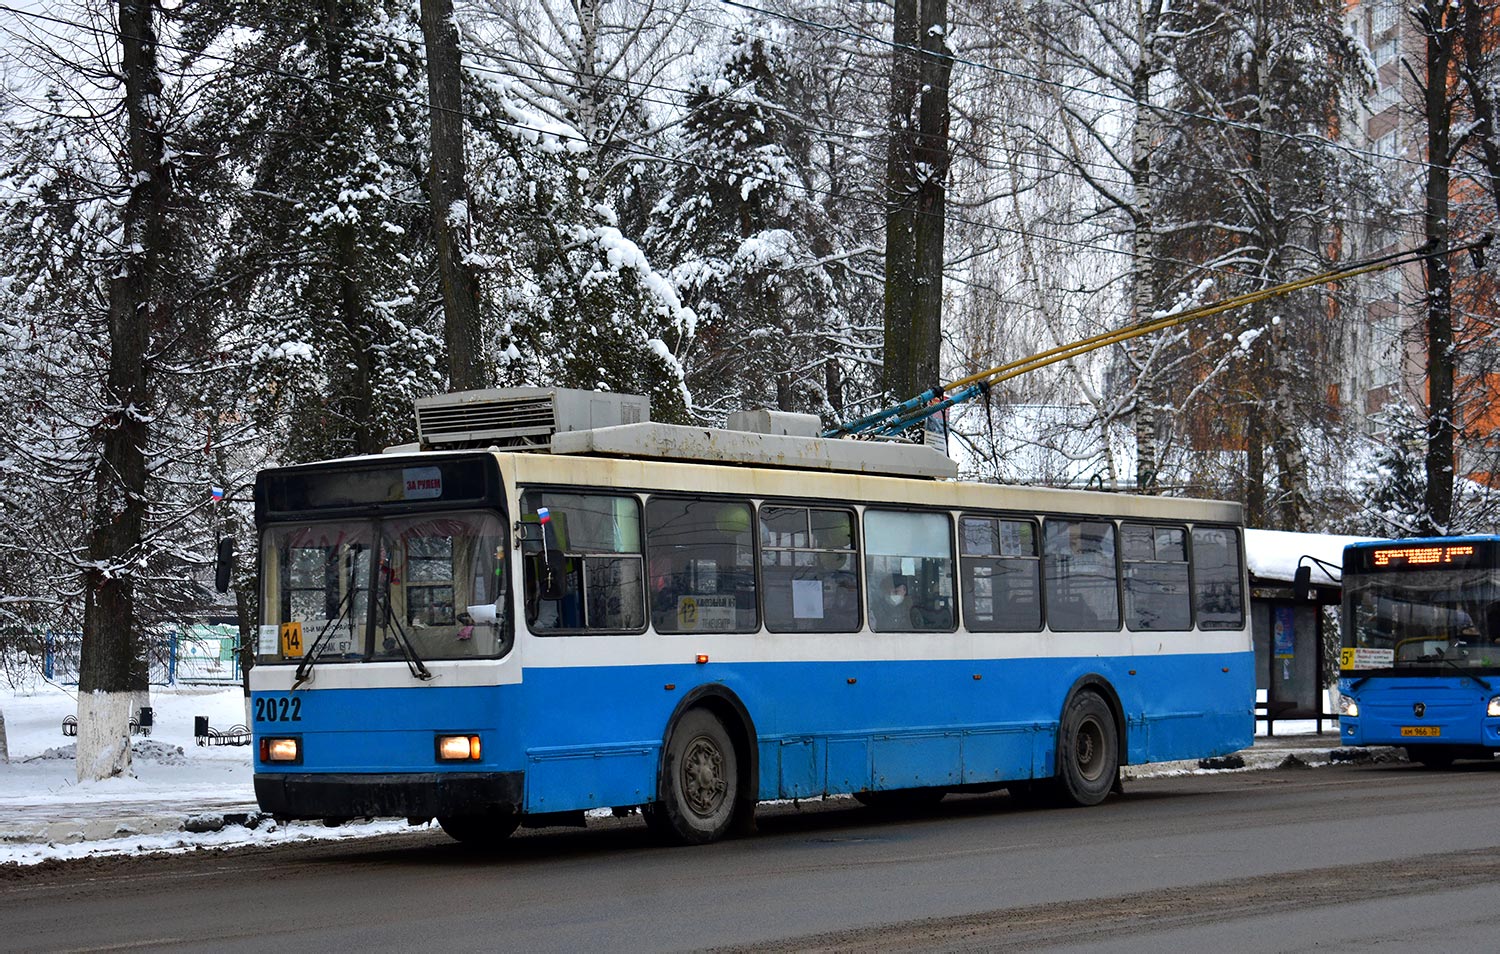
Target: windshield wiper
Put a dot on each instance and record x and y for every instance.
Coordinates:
(1439, 655)
(304, 668)
(413, 661)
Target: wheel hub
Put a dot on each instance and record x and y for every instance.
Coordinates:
(704, 784)
(1089, 750)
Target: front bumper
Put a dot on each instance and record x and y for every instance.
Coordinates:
(405, 795)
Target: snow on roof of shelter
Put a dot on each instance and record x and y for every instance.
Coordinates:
(1274, 554)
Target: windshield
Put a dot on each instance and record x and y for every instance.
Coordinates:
(1421, 620)
(438, 581)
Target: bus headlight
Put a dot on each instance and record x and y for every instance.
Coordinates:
(1350, 707)
(281, 750)
(458, 748)
(1493, 709)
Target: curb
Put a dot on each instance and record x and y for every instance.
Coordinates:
(1263, 759)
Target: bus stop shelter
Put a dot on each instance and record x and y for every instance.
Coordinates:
(1294, 637)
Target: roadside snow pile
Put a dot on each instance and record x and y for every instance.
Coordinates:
(149, 749)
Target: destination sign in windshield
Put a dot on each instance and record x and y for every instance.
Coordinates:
(1424, 555)
(354, 485)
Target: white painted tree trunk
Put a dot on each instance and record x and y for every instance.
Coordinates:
(104, 734)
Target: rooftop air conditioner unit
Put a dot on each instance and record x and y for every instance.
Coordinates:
(520, 418)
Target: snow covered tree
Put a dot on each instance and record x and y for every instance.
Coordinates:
(1393, 494)
(326, 128)
(752, 251)
(1260, 196)
(97, 212)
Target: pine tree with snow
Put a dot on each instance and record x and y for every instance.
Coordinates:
(747, 238)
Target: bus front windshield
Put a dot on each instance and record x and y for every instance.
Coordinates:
(432, 585)
(1418, 620)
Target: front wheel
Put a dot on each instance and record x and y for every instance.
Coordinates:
(1088, 751)
(699, 782)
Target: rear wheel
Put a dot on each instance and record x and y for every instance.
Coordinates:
(480, 831)
(699, 782)
(1088, 751)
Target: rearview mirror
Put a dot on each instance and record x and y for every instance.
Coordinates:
(1302, 589)
(224, 564)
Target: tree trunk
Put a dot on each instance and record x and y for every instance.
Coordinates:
(900, 216)
(4, 746)
(1440, 34)
(833, 386)
(112, 641)
(917, 173)
(1255, 464)
(1145, 293)
(448, 184)
(932, 160)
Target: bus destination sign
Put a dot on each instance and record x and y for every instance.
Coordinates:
(1424, 555)
(449, 480)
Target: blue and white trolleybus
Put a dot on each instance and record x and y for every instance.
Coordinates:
(573, 608)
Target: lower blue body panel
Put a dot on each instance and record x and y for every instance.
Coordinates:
(1454, 708)
(592, 737)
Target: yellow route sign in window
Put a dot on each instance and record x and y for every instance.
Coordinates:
(291, 639)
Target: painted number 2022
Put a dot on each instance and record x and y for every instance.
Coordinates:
(278, 710)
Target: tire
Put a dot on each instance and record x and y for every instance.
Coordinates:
(699, 783)
(900, 801)
(480, 831)
(1436, 757)
(1088, 751)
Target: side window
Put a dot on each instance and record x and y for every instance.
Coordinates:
(1156, 577)
(909, 571)
(1001, 575)
(702, 565)
(807, 570)
(600, 538)
(1218, 593)
(1082, 588)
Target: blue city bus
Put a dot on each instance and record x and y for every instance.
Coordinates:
(1419, 664)
(689, 621)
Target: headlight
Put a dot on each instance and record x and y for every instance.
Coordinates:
(281, 750)
(1493, 709)
(458, 748)
(1350, 707)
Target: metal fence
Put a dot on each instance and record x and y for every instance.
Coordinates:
(200, 653)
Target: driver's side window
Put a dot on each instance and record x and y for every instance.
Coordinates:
(600, 585)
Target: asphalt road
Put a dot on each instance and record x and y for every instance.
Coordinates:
(1342, 858)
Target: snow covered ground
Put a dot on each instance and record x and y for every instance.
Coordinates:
(46, 814)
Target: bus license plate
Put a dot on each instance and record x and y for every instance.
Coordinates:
(1421, 731)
